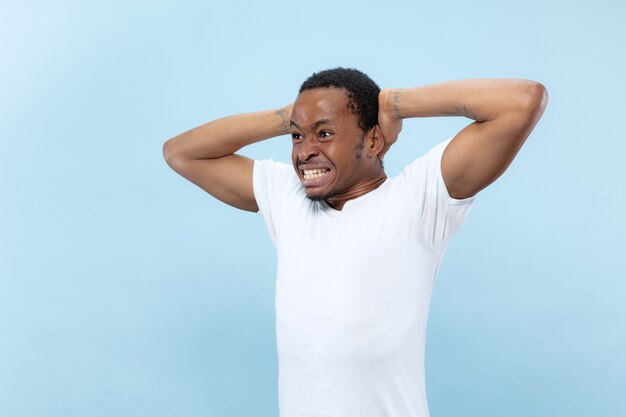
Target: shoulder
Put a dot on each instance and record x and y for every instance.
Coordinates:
(426, 167)
(275, 182)
(272, 173)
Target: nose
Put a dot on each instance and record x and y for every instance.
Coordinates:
(307, 149)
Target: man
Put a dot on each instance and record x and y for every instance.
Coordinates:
(358, 252)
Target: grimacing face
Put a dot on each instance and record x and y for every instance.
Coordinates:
(328, 152)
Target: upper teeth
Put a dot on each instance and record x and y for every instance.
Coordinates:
(314, 173)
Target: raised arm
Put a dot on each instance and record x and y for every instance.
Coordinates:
(206, 156)
(505, 112)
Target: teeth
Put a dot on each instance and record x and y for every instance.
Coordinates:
(314, 173)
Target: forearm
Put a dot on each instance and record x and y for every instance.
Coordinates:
(225, 136)
(478, 99)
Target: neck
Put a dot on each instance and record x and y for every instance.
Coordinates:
(337, 201)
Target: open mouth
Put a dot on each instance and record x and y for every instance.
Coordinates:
(310, 174)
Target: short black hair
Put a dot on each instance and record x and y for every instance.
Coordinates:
(361, 90)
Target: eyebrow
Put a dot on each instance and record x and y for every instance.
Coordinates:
(314, 125)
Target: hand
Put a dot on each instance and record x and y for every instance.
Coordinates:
(389, 118)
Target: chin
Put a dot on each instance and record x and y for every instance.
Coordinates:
(320, 196)
(316, 197)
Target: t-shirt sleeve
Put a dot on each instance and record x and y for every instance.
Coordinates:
(272, 183)
(439, 214)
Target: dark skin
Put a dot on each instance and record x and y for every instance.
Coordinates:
(341, 159)
(504, 112)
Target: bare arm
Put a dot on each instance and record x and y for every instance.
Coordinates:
(206, 155)
(505, 112)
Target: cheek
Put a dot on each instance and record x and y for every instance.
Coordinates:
(343, 158)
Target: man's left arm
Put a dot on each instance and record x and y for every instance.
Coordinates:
(505, 112)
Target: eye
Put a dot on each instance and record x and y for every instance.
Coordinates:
(295, 136)
(325, 134)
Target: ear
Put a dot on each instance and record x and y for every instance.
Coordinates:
(376, 142)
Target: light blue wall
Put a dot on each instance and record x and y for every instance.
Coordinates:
(127, 291)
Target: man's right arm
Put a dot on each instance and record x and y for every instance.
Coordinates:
(206, 155)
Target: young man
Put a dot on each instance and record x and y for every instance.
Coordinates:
(358, 252)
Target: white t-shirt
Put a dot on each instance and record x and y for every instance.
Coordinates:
(353, 289)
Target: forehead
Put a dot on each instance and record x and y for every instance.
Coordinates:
(320, 103)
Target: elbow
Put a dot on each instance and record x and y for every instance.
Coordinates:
(533, 98)
(170, 153)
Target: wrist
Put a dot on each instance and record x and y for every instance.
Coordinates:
(284, 114)
(390, 103)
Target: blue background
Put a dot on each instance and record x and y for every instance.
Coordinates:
(126, 290)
